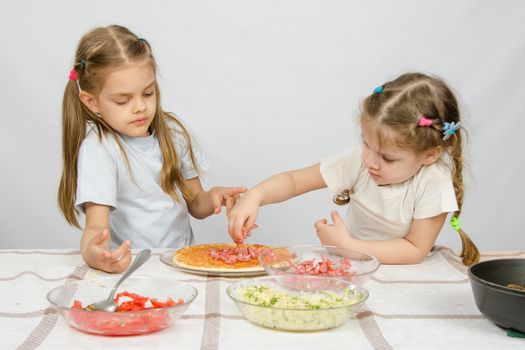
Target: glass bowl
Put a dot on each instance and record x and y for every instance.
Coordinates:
(329, 261)
(121, 323)
(297, 303)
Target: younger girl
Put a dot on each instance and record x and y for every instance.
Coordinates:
(403, 180)
(129, 166)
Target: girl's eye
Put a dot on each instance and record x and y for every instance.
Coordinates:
(148, 94)
(388, 160)
(121, 103)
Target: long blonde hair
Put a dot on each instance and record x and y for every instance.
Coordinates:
(100, 51)
(399, 104)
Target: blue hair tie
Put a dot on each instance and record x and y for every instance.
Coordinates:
(142, 39)
(82, 63)
(450, 129)
(378, 89)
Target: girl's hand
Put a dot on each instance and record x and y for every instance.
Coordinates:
(98, 256)
(225, 196)
(334, 234)
(241, 218)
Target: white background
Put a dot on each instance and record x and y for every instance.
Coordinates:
(268, 86)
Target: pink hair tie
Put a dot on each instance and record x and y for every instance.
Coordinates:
(73, 74)
(424, 122)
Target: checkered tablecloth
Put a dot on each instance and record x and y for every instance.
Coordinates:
(424, 306)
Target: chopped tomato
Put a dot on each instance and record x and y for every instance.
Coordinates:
(120, 323)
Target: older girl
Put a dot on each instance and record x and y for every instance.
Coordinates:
(131, 167)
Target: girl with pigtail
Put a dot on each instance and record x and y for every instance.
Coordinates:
(130, 167)
(402, 181)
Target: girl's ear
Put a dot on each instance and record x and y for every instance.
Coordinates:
(89, 101)
(432, 155)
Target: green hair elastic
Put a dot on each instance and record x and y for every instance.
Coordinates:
(454, 221)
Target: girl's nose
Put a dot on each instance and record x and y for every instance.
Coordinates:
(371, 161)
(139, 106)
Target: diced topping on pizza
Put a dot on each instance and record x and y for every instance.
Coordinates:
(231, 255)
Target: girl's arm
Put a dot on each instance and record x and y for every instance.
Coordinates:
(277, 188)
(411, 249)
(205, 203)
(94, 244)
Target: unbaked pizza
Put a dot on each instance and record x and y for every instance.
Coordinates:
(221, 257)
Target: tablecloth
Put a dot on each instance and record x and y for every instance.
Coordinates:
(425, 306)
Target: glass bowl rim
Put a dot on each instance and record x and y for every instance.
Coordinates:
(194, 294)
(363, 291)
(373, 258)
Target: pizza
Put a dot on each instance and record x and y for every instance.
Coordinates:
(220, 257)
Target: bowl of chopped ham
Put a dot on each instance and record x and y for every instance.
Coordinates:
(144, 304)
(325, 261)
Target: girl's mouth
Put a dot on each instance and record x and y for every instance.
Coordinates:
(141, 121)
(375, 176)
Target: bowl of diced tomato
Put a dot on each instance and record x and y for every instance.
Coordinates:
(144, 304)
(325, 261)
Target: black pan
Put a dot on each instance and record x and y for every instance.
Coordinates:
(504, 306)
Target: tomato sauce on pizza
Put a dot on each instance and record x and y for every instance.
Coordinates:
(220, 257)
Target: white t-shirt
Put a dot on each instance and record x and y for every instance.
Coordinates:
(385, 212)
(140, 210)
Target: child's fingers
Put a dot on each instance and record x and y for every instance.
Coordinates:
(319, 224)
(100, 238)
(122, 263)
(336, 218)
(232, 191)
(248, 233)
(216, 202)
(120, 252)
(226, 193)
(231, 232)
(248, 226)
(230, 202)
(237, 229)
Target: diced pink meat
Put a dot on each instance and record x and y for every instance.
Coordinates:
(232, 255)
(324, 267)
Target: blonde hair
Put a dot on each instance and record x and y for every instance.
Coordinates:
(399, 105)
(100, 51)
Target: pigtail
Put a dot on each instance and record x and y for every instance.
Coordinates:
(469, 251)
(170, 176)
(73, 133)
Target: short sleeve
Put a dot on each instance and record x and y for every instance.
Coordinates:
(341, 170)
(435, 192)
(97, 175)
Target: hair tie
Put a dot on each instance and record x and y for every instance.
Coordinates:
(454, 222)
(82, 63)
(378, 89)
(450, 129)
(73, 74)
(74, 77)
(424, 122)
(141, 39)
